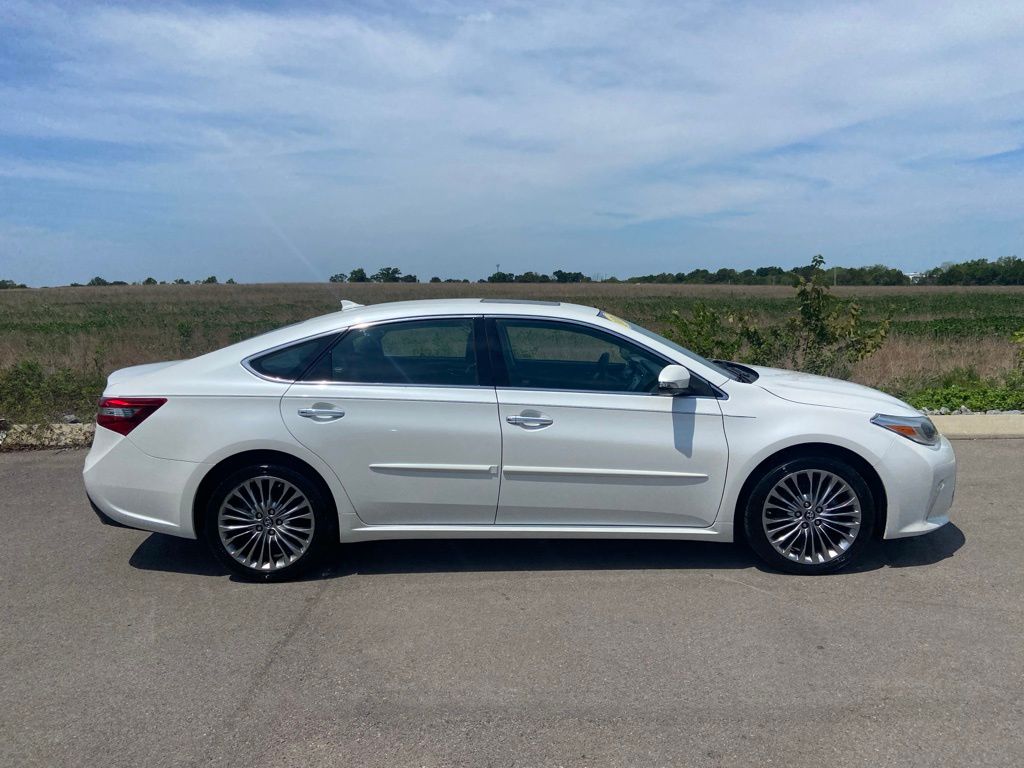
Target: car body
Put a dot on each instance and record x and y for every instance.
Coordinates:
(488, 418)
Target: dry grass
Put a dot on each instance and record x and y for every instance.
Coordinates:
(97, 330)
(911, 360)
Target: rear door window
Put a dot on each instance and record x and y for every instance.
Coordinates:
(439, 352)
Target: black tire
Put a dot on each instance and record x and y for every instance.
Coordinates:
(324, 522)
(754, 527)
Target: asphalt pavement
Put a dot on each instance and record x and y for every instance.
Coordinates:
(123, 648)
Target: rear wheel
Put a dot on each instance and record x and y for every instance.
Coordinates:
(809, 515)
(268, 522)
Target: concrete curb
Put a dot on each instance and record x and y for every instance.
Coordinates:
(979, 425)
(27, 437)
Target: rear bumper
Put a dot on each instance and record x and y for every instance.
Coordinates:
(103, 516)
(131, 488)
(920, 482)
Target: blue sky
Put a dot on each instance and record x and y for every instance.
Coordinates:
(288, 141)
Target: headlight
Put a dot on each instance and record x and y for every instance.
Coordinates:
(917, 428)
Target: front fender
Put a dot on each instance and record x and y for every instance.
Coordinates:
(761, 425)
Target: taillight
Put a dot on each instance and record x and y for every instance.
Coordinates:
(123, 414)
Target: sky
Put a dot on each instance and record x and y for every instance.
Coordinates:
(289, 141)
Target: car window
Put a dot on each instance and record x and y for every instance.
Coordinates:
(547, 354)
(289, 362)
(438, 352)
(720, 369)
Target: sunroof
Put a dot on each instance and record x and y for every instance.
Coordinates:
(521, 301)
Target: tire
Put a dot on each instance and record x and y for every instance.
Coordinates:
(819, 512)
(269, 522)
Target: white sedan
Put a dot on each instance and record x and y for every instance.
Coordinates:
(487, 418)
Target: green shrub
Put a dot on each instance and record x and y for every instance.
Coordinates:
(28, 394)
(713, 334)
(964, 387)
(822, 335)
(980, 396)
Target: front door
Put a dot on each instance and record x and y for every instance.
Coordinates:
(396, 410)
(587, 440)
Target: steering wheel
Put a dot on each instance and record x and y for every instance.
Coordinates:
(636, 374)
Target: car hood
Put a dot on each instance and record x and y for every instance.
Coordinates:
(830, 393)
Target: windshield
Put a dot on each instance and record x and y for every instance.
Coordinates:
(683, 351)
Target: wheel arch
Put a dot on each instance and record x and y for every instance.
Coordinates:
(237, 461)
(814, 449)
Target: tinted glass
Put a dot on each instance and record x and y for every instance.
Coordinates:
(683, 351)
(542, 354)
(290, 362)
(426, 352)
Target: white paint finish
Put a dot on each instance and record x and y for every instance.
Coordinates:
(207, 430)
(192, 428)
(759, 424)
(919, 482)
(808, 389)
(610, 459)
(608, 465)
(136, 489)
(424, 433)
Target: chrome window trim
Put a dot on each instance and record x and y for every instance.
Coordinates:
(531, 302)
(719, 395)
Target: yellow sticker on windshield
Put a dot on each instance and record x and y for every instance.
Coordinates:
(614, 319)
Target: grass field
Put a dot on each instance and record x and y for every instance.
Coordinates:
(79, 335)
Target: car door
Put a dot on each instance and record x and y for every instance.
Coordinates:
(398, 410)
(587, 439)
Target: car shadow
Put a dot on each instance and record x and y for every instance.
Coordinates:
(170, 554)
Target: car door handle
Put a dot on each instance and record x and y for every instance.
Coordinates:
(321, 414)
(522, 420)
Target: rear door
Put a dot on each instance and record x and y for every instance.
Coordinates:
(398, 410)
(587, 440)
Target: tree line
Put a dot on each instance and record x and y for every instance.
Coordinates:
(1007, 270)
(99, 281)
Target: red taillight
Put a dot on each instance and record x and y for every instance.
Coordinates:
(123, 414)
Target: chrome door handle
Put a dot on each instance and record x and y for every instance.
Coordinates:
(321, 414)
(530, 421)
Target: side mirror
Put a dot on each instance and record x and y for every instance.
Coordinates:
(673, 380)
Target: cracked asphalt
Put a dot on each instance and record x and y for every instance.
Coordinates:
(123, 648)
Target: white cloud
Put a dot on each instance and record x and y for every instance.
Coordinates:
(431, 136)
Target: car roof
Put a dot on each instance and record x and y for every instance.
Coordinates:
(396, 310)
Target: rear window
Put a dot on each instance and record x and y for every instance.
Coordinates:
(290, 362)
(436, 352)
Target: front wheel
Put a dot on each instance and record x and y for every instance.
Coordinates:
(809, 515)
(268, 522)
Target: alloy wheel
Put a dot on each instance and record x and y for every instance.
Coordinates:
(266, 523)
(811, 516)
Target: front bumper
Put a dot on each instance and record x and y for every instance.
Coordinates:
(136, 490)
(920, 482)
